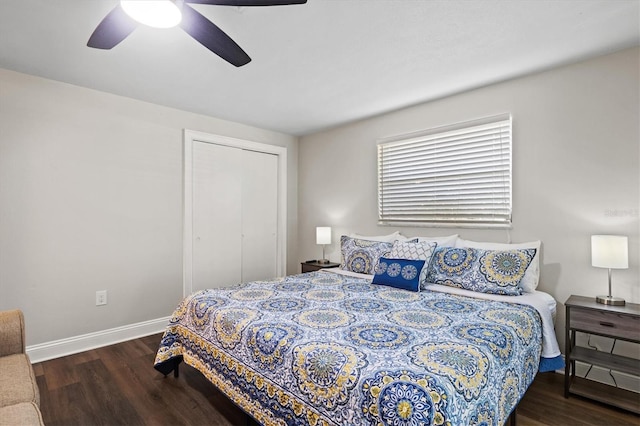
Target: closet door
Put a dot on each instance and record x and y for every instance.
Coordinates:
(259, 215)
(217, 216)
(234, 216)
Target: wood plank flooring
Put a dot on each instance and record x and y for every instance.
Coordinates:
(117, 385)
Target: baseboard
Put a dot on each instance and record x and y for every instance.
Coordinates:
(73, 345)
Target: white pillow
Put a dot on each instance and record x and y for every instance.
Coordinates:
(414, 251)
(531, 276)
(384, 238)
(447, 241)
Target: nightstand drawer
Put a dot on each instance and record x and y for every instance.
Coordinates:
(312, 265)
(606, 323)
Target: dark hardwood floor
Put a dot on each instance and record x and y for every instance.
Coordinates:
(117, 385)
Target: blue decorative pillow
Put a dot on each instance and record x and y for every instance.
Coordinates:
(399, 273)
(484, 271)
(362, 255)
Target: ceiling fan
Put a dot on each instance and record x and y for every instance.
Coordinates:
(122, 20)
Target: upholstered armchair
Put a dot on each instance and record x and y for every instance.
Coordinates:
(19, 395)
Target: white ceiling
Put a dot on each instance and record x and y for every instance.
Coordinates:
(317, 65)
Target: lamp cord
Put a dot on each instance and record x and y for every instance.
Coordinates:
(615, 383)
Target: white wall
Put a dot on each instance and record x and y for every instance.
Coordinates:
(576, 138)
(91, 199)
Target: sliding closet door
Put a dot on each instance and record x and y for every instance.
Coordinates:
(217, 213)
(259, 215)
(234, 216)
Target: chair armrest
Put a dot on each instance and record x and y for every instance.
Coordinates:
(11, 332)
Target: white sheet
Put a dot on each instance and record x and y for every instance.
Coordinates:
(543, 302)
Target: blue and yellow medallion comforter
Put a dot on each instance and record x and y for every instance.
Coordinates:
(329, 349)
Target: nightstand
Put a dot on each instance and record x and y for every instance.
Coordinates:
(616, 322)
(313, 265)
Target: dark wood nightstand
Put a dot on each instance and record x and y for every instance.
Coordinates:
(313, 265)
(616, 322)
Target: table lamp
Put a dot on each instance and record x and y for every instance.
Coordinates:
(611, 252)
(323, 236)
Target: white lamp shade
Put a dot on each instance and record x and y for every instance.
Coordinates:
(609, 251)
(323, 235)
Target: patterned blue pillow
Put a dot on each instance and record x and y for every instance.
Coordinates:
(484, 271)
(399, 273)
(362, 255)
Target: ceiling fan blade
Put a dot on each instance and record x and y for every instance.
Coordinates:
(241, 3)
(114, 28)
(213, 38)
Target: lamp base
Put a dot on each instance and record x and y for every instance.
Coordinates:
(323, 261)
(610, 300)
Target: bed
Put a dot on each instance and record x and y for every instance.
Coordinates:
(332, 348)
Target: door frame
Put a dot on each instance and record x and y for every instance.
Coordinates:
(190, 137)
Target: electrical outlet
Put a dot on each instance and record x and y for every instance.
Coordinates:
(101, 297)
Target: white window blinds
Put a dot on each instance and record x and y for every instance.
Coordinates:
(458, 176)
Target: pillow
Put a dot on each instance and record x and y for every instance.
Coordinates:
(531, 278)
(399, 273)
(414, 250)
(385, 238)
(362, 255)
(484, 271)
(448, 241)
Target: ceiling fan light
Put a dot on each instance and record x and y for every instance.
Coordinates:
(154, 13)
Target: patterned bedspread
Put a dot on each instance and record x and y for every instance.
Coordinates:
(328, 349)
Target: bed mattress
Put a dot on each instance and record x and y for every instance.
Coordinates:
(332, 349)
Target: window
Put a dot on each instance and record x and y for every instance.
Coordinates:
(457, 176)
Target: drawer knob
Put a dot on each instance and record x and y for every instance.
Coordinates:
(607, 324)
